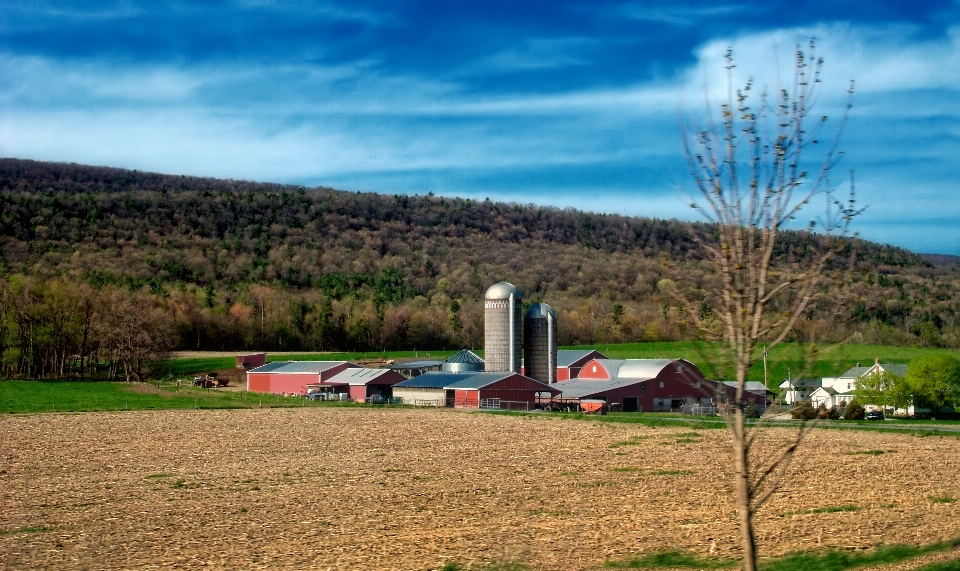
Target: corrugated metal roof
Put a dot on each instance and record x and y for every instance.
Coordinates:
(480, 380)
(579, 388)
(446, 380)
(567, 357)
(434, 380)
(297, 367)
(357, 376)
(416, 365)
(465, 356)
(750, 386)
(643, 368)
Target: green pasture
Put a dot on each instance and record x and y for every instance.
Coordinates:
(72, 396)
(794, 359)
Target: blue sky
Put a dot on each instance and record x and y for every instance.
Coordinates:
(563, 103)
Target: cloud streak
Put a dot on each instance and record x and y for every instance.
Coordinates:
(550, 116)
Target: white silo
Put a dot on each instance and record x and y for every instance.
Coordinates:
(540, 343)
(502, 328)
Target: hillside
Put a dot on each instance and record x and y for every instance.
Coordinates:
(237, 264)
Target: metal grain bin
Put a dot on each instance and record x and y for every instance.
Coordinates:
(463, 362)
(502, 328)
(540, 343)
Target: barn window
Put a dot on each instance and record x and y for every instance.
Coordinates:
(698, 384)
(643, 386)
(594, 368)
(679, 368)
(661, 384)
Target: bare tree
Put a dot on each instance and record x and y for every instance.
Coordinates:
(748, 166)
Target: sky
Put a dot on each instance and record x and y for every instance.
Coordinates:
(562, 103)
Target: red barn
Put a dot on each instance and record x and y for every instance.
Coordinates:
(646, 385)
(292, 377)
(570, 362)
(473, 390)
(367, 383)
(251, 361)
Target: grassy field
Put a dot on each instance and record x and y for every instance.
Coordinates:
(67, 396)
(788, 358)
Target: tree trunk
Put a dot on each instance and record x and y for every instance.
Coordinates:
(743, 492)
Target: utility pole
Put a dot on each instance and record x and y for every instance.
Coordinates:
(765, 386)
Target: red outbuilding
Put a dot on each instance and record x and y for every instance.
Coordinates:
(647, 385)
(292, 377)
(364, 384)
(251, 361)
(476, 389)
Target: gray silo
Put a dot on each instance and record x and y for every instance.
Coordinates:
(463, 362)
(502, 328)
(540, 343)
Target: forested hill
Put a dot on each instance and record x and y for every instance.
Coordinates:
(336, 269)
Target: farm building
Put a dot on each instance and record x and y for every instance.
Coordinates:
(251, 361)
(362, 384)
(292, 377)
(412, 369)
(473, 390)
(646, 385)
(569, 362)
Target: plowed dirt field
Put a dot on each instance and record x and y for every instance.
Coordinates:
(414, 489)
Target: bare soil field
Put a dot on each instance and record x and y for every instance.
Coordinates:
(366, 489)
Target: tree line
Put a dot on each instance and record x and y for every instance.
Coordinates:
(238, 265)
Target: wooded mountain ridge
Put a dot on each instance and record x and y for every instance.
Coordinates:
(246, 264)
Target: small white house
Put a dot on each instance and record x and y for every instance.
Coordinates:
(834, 391)
(793, 391)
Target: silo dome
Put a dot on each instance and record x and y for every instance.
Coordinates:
(540, 311)
(502, 328)
(540, 343)
(503, 290)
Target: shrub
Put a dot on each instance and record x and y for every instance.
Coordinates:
(752, 410)
(854, 411)
(803, 411)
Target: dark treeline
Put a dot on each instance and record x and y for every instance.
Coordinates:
(231, 265)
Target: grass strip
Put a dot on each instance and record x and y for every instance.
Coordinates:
(27, 529)
(673, 559)
(831, 560)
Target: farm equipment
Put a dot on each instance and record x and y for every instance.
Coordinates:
(209, 381)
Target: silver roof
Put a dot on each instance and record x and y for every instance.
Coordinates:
(503, 290)
(465, 356)
(415, 365)
(357, 376)
(579, 388)
(540, 311)
(749, 386)
(567, 357)
(635, 368)
(314, 367)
